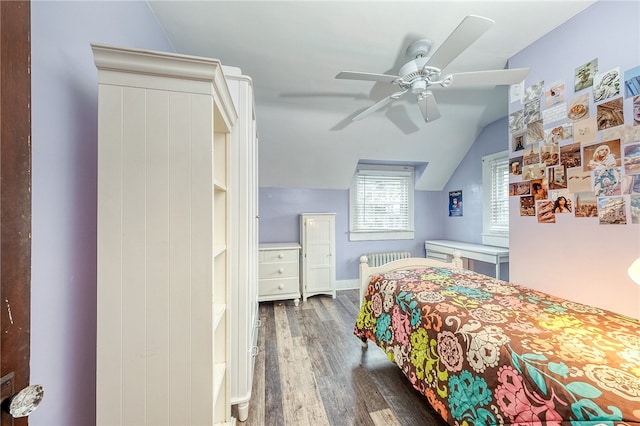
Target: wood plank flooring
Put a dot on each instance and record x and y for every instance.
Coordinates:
(311, 370)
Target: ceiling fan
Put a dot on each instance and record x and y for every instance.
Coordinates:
(422, 72)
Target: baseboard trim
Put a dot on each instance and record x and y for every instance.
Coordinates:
(347, 284)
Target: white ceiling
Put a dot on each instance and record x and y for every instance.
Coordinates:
(293, 49)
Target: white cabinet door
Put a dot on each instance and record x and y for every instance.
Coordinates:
(243, 246)
(317, 231)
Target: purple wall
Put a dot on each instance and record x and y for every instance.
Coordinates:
(279, 209)
(468, 177)
(593, 259)
(64, 152)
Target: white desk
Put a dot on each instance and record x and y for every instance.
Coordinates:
(441, 249)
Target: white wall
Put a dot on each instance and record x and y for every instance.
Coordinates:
(577, 258)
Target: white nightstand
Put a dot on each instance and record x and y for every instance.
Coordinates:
(278, 272)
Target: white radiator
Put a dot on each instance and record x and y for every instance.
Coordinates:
(377, 259)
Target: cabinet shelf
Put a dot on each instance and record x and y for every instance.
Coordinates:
(219, 370)
(219, 310)
(219, 249)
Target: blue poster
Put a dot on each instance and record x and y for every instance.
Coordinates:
(455, 203)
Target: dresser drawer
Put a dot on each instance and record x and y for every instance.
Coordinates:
(279, 256)
(273, 287)
(278, 270)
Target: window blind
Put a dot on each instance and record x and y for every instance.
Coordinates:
(382, 202)
(500, 194)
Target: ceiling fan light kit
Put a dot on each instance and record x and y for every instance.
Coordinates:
(422, 72)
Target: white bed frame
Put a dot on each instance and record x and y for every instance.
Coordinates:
(366, 271)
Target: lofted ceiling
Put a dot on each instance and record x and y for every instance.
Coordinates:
(293, 50)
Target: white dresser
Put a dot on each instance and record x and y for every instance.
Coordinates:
(278, 272)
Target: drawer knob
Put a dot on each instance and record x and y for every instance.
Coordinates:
(281, 286)
(281, 256)
(281, 270)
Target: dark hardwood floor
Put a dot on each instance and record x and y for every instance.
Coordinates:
(312, 370)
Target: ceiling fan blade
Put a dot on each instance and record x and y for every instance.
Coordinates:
(468, 31)
(489, 78)
(354, 75)
(375, 107)
(428, 106)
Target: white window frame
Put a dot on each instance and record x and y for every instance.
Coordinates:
(372, 170)
(493, 233)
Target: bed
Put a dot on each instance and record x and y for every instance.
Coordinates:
(485, 351)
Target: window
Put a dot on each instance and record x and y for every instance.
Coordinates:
(381, 203)
(495, 199)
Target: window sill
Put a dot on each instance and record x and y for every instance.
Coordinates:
(373, 236)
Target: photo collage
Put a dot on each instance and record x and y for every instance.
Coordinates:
(580, 155)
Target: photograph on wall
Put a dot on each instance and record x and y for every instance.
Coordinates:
(634, 200)
(527, 206)
(579, 180)
(626, 133)
(516, 121)
(531, 155)
(561, 201)
(455, 203)
(584, 75)
(607, 182)
(578, 108)
(534, 171)
(630, 184)
(535, 132)
(632, 82)
(517, 141)
(550, 153)
(585, 131)
(601, 155)
(515, 166)
(570, 155)
(516, 92)
(555, 113)
(606, 85)
(545, 212)
(636, 110)
(586, 204)
(554, 93)
(519, 188)
(539, 189)
(632, 158)
(534, 91)
(610, 114)
(558, 134)
(532, 111)
(557, 177)
(612, 211)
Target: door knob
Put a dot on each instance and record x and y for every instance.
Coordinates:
(24, 402)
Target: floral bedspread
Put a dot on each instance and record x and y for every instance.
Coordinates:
(485, 351)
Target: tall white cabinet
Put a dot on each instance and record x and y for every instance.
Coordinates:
(244, 241)
(165, 127)
(318, 260)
